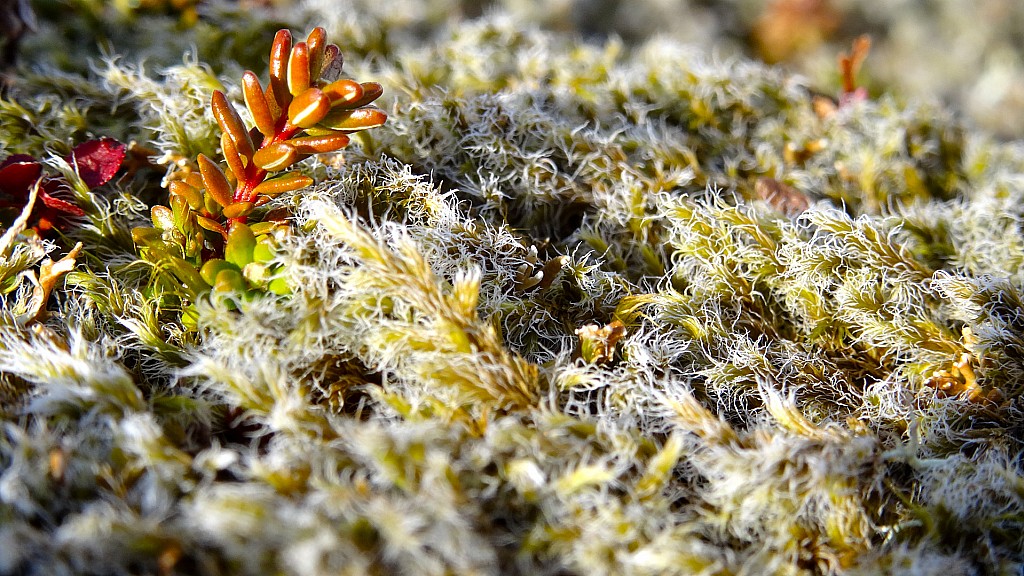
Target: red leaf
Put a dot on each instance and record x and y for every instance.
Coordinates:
(98, 160)
(54, 204)
(17, 175)
(20, 158)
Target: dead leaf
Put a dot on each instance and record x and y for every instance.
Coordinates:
(597, 344)
(49, 273)
(781, 196)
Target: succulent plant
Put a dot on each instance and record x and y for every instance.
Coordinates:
(214, 233)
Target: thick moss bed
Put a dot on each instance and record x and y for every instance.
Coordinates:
(578, 307)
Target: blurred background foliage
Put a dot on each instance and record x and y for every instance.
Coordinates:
(968, 54)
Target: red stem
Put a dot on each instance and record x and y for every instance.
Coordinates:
(254, 175)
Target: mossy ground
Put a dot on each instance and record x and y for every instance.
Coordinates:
(579, 307)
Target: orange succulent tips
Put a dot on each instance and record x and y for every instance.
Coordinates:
(285, 183)
(236, 163)
(256, 102)
(298, 69)
(316, 43)
(319, 144)
(207, 234)
(214, 180)
(231, 123)
(276, 157)
(299, 114)
(308, 108)
(344, 92)
(279, 52)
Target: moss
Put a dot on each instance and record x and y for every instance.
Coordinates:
(580, 307)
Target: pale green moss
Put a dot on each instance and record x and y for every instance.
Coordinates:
(829, 386)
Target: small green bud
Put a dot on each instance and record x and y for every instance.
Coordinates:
(145, 236)
(213, 267)
(230, 281)
(186, 274)
(190, 317)
(240, 245)
(163, 218)
(264, 251)
(279, 286)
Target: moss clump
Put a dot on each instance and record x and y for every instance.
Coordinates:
(577, 308)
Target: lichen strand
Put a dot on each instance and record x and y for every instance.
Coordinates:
(575, 309)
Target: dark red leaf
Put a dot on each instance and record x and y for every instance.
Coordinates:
(17, 175)
(97, 160)
(56, 204)
(17, 158)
